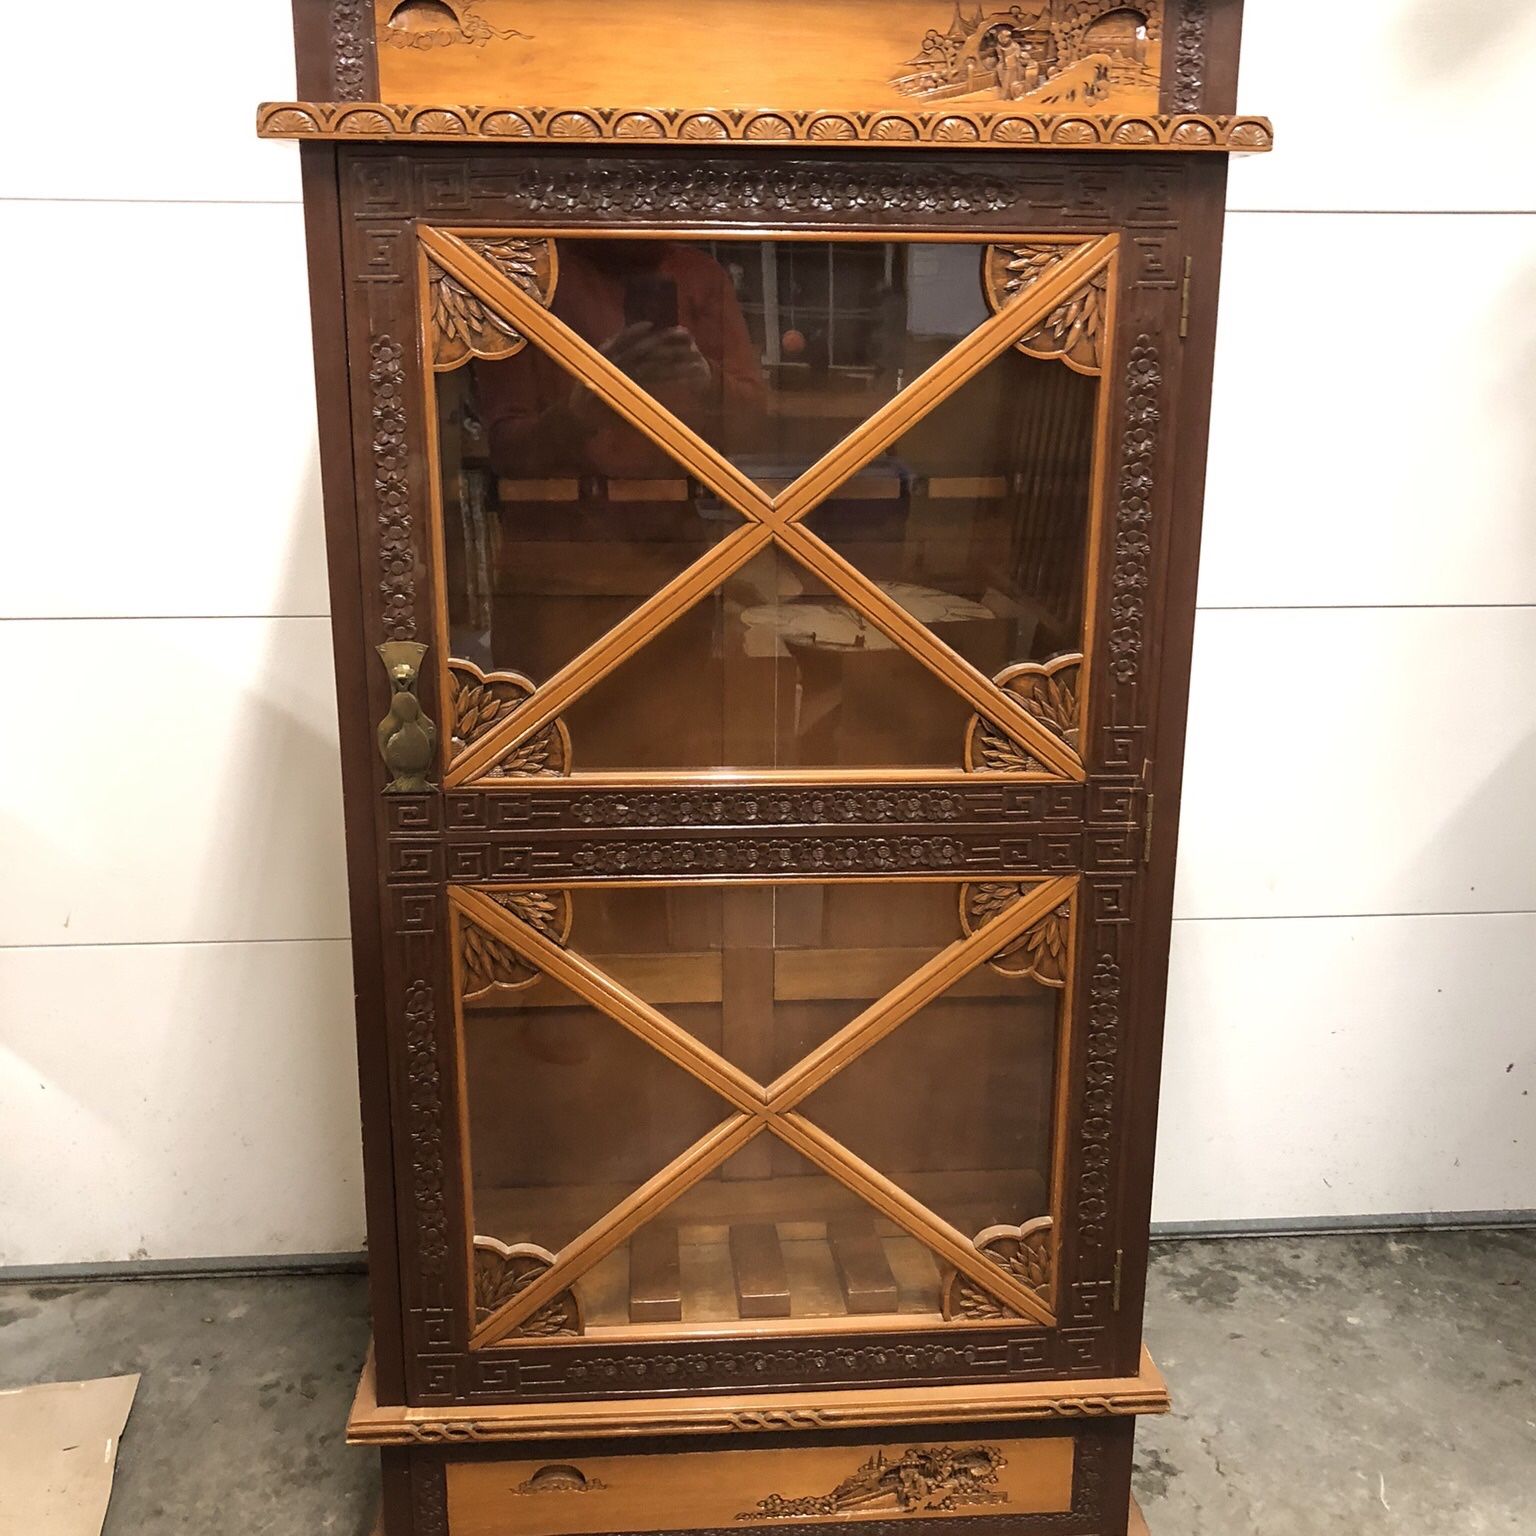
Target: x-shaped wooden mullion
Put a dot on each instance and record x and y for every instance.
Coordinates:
(758, 1108)
(767, 517)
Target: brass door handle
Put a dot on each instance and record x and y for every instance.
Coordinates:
(407, 736)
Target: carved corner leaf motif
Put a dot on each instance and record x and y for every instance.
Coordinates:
(1073, 332)
(502, 1273)
(1041, 953)
(1027, 1253)
(480, 701)
(1051, 693)
(922, 1479)
(462, 325)
(491, 965)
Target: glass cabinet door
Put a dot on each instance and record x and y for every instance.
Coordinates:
(764, 516)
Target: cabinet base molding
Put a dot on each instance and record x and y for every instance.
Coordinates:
(504, 1423)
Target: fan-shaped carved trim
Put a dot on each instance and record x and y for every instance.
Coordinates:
(462, 326)
(479, 701)
(1027, 1253)
(1073, 333)
(502, 1272)
(489, 964)
(1041, 953)
(1051, 693)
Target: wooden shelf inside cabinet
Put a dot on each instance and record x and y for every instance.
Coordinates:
(762, 451)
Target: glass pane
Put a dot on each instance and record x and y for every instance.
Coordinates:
(976, 1069)
(766, 1236)
(772, 351)
(770, 671)
(569, 1113)
(763, 974)
(544, 550)
(980, 524)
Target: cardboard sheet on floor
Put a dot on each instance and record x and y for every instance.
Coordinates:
(58, 1451)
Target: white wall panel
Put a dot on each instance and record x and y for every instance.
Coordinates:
(1371, 444)
(178, 1101)
(170, 780)
(1369, 761)
(1320, 1068)
(161, 398)
(117, 101)
(1410, 104)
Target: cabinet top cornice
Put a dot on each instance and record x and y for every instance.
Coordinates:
(366, 121)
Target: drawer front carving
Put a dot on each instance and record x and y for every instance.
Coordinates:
(825, 1484)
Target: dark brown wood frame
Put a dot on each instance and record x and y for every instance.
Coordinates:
(415, 859)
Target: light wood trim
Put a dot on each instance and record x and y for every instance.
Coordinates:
(756, 1412)
(988, 341)
(603, 1236)
(891, 1200)
(585, 363)
(764, 778)
(952, 129)
(1138, 1525)
(604, 993)
(621, 642)
(921, 643)
(915, 993)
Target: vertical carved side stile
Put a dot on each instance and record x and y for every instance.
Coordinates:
(424, 1125)
(1131, 572)
(392, 489)
(1189, 57)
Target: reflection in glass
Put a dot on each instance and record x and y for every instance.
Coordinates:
(986, 500)
(771, 671)
(542, 557)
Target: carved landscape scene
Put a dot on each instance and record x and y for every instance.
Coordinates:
(1045, 55)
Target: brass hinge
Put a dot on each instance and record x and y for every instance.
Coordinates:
(1189, 283)
(1146, 839)
(1119, 1275)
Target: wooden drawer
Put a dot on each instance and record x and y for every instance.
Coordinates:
(870, 1478)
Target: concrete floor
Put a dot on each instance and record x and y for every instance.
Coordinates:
(1350, 1385)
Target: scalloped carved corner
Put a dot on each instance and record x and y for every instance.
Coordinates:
(1027, 1253)
(462, 326)
(1051, 693)
(1073, 333)
(1041, 953)
(479, 701)
(502, 1272)
(489, 965)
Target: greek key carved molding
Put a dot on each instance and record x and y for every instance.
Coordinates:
(391, 489)
(1189, 57)
(904, 129)
(424, 1119)
(1131, 573)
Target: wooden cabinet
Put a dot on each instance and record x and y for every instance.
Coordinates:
(763, 514)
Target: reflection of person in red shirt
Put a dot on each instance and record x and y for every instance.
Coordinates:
(704, 368)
